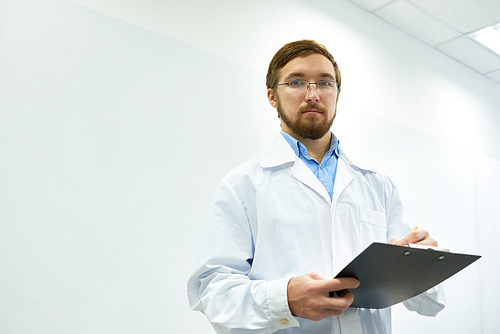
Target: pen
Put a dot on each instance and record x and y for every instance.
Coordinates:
(414, 228)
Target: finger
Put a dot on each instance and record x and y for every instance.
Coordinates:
(393, 241)
(340, 303)
(332, 306)
(338, 284)
(413, 237)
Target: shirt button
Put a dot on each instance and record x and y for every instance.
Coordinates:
(284, 322)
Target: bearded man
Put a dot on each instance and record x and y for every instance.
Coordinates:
(284, 223)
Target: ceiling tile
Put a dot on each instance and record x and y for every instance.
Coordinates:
(495, 76)
(371, 4)
(471, 54)
(464, 15)
(417, 23)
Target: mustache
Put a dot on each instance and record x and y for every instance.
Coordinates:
(313, 106)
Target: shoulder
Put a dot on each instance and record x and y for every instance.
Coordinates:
(248, 168)
(355, 162)
(277, 156)
(364, 170)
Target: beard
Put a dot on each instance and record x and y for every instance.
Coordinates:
(309, 127)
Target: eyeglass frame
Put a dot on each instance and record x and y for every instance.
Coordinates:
(309, 84)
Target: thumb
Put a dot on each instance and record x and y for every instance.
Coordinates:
(338, 284)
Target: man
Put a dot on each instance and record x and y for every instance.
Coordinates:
(283, 224)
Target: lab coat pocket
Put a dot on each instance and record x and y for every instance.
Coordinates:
(372, 217)
(373, 226)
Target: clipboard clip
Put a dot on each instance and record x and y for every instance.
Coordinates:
(427, 247)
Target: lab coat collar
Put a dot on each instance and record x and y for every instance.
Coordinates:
(355, 162)
(280, 153)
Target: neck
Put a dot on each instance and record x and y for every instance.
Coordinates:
(316, 148)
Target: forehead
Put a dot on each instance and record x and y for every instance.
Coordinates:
(314, 65)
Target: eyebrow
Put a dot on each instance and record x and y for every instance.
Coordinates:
(293, 74)
(327, 75)
(299, 74)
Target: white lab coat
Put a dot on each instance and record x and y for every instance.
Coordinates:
(270, 220)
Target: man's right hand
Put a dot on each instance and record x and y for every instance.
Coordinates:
(308, 296)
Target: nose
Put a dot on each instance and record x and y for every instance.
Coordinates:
(312, 93)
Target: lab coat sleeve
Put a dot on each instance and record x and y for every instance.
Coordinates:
(431, 302)
(219, 286)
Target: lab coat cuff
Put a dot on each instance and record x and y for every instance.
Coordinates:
(277, 301)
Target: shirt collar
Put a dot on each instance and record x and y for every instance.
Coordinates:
(280, 153)
(299, 148)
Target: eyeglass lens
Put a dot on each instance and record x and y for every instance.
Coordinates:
(303, 85)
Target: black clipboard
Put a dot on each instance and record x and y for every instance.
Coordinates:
(390, 274)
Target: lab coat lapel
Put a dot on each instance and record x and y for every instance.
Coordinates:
(280, 153)
(307, 177)
(347, 167)
(345, 174)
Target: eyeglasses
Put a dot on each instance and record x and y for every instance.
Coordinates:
(303, 86)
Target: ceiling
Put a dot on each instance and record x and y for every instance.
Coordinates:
(444, 25)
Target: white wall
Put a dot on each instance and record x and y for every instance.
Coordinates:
(118, 121)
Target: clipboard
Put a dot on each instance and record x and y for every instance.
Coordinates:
(389, 274)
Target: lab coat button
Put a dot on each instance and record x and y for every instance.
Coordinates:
(284, 322)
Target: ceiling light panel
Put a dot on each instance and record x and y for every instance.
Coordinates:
(489, 37)
(464, 15)
(417, 23)
(471, 54)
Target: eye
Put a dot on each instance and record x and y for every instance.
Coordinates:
(296, 83)
(325, 84)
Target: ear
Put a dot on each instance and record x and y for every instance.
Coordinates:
(272, 98)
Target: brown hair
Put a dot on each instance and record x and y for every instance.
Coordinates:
(293, 50)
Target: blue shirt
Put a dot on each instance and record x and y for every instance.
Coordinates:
(324, 171)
